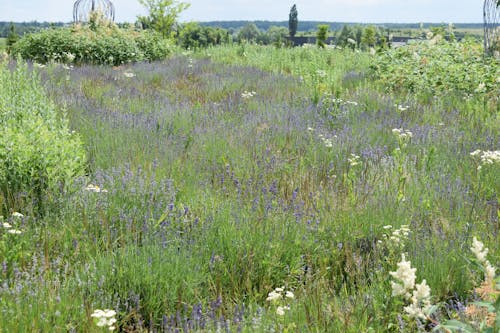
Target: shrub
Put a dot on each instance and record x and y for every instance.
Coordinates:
(438, 68)
(39, 155)
(99, 45)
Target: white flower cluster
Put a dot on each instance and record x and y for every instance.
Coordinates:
(95, 189)
(398, 236)
(129, 75)
(480, 252)
(105, 318)
(8, 227)
(405, 276)
(487, 157)
(248, 94)
(277, 295)
(341, 101)
(402, 134)
(3, 56)
(328, 142)
(401, 108)
(354, 160)
(420, 301)
(321, 73)
(418, 295)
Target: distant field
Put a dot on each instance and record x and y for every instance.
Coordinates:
(2, 43)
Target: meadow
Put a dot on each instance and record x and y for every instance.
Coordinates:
(245, 188)
(2, 43)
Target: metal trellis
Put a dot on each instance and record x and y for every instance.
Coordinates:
(491, 14)
(83, 8)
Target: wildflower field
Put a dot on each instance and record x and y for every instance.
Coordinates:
(247, 188)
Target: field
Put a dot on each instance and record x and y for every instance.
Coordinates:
(245, 188)
(2, 43)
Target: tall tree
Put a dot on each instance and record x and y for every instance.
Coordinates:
(162, 15)
(369, 37)
(322, 35)
(12, 37)
(293, 21)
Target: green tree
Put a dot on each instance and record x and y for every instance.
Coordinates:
(293, 21)
(162, 15)
(277, 35)
(322, 35)
(368, 39)
(12, 37)
(249, 32)
(345, 33)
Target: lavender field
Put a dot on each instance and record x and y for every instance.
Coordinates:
(255, 189)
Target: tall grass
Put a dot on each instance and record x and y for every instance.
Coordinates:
(210, 199)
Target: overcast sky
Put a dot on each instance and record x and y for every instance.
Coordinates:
(373, 11)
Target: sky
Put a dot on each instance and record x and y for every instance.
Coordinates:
(364, 11)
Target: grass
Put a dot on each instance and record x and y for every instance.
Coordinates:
(214, 199)
(3, 43)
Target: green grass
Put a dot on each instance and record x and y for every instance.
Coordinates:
(3, 43)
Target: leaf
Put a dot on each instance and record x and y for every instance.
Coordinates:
(456, 326)
(487, 305)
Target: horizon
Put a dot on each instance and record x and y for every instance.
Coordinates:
(341, 11)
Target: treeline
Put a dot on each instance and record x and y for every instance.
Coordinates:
(22, 28)
(231, 26)
(308, 26)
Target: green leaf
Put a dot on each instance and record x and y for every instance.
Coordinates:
(456, 326)
(488, 305)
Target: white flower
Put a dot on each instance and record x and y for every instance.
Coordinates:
(321, 73)
(478, 249)
(6, 225)
(16, 214)
(405, 274)
(351, 41)
(422, 291)
(402, 134)
(14, 231)
(490, 271)
(281, 310)
(354, 160)
(328, 143)
(248, 94)
(129, 74)
(402, 108)
(279, 290)
(289, 294)
(95, 189)
(480, 88)
(310, 129)
(105, 318)
(273, 296)
(415, 311)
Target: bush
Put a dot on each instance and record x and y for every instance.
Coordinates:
(98, 45)
(438, 68)
(39, 155)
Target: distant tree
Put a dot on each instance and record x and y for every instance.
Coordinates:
(12, 37)
(162, 15)
(368, 39)
(277, 35)
(192, 35)
(293, 21)
(249, 32)
(358, 34)
(322, 35)
(345, 34)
